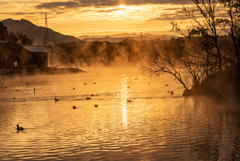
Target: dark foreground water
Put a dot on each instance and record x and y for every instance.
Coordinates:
(154, 126)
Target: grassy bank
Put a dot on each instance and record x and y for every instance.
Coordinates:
(221, 87)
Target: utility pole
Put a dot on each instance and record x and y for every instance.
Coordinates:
(46, 40)
(46, 36)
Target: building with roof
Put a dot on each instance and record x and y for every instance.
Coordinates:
(33, 57)
(22, 56)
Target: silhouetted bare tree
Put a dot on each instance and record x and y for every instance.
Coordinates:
(207, 29)
(232, 24)
(207, 52)
(165, 59)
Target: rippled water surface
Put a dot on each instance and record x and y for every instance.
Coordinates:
(154, 126)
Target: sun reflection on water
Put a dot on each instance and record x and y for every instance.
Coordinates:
(124, 113)
(124, 97)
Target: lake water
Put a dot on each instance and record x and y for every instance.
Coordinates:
(154, 126)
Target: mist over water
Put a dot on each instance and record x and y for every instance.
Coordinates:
(154, 126)
(94, 54)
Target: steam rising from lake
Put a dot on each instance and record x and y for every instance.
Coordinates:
(92, 54)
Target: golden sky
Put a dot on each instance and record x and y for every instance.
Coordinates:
(97, 17)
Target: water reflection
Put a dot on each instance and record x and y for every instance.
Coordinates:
(124, 97)
(155, 126)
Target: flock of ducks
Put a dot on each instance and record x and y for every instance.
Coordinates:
(87, 98)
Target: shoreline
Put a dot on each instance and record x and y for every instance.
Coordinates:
(38, 71)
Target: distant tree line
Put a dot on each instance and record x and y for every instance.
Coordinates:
(82, 53)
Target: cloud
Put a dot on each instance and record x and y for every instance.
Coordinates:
(170, 17)
(51, 5)
(99, 3)
(20, 13)
(143, 2)
(105, 3)
(110, 10)
(177, 15)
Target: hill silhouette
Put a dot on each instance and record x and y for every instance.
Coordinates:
(36, 32)
(123, 36)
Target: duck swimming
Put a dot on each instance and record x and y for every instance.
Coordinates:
(19, 128)
(128, 100)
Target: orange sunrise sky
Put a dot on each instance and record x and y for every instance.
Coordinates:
(98, 17)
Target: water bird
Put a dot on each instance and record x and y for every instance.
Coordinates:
(74, 107)
(94, 83)
(95, 105)
(172, 92)
(73, 88)
(27, 83)
(84, 83)
(14, 98)
(128, 100)
(166, 84)
(136, 78)
(19, 128)
(88, 98)
(128, 87)
(92, 95)
(56, 99)
(5, 86)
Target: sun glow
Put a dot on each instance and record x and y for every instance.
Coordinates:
(122, 6)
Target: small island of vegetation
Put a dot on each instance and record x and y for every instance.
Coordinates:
(206, 60)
